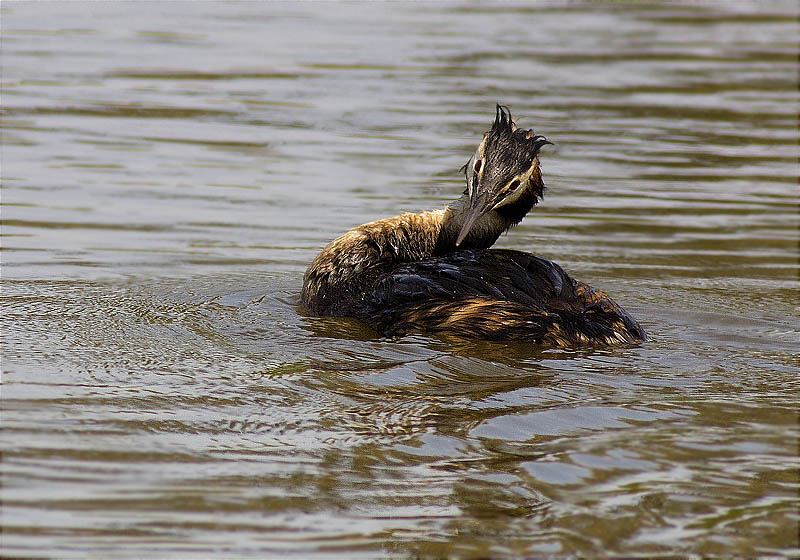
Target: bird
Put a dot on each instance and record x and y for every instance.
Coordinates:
(434, 272)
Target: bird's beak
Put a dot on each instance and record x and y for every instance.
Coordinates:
(479, 205)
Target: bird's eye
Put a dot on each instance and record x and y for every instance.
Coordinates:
(513, 185)
(478, 165)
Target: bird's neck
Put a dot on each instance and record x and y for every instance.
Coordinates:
(483, 233)
(488, 227)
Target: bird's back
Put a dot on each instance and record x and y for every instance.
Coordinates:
(490, 294)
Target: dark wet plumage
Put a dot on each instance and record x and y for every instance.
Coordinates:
(434, 272)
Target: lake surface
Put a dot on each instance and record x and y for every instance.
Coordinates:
(170, 169)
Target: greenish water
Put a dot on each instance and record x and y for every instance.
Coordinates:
(169, 170)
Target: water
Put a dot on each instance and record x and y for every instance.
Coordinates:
(169, 170)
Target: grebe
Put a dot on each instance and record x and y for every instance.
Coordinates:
(434, 272)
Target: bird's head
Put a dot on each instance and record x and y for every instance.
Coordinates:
(503, 174)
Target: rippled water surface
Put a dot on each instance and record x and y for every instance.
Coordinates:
(169, 170)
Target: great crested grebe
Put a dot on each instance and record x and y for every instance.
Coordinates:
(434, 272)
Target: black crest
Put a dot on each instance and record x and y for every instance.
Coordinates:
(505, 134)
(510, 150)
